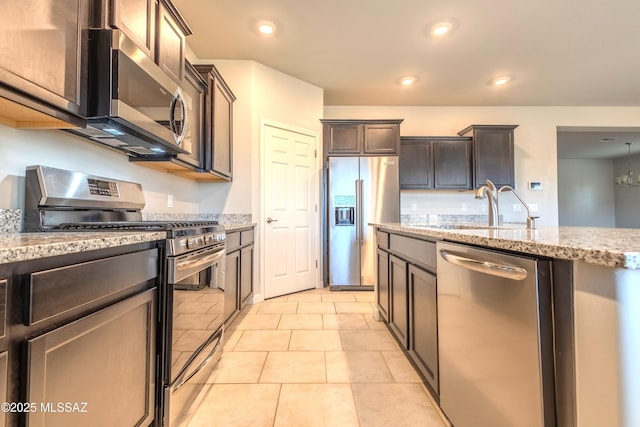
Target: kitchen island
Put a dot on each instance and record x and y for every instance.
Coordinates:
(596, 301)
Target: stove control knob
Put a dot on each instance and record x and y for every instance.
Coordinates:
(209, 239)
(192, 243)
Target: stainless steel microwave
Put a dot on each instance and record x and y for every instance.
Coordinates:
(130, 103)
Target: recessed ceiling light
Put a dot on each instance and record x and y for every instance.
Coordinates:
(407, 81)
(267, 28)
(441, 28)
(501, 81)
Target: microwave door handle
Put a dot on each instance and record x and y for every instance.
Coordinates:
(486, 267)
(178, 134)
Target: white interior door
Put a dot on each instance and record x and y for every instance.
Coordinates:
(290, 211)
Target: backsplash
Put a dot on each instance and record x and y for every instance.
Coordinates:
(444, 219)
(224, 219)
(11, 219)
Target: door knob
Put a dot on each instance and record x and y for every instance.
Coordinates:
(270, 220)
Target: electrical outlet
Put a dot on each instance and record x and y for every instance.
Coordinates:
(413, 207)
(517, 207)
(169, 200)
(533, 207)
(463, 208)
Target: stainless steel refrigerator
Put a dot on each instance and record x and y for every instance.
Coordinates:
(361, 190)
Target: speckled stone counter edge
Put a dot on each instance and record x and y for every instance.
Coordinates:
(599, 246)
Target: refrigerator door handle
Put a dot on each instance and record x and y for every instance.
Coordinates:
(358, 207)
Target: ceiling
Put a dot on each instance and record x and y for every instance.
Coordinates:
(558, 53)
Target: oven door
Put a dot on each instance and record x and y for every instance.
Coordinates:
(195, 319)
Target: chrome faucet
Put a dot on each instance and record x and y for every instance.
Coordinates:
(491, 194)
(531, 220)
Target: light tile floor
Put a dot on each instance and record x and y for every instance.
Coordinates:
(315, 358)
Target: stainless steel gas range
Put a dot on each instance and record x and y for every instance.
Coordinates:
(191, 292)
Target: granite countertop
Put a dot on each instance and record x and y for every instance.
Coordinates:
(26, 246)
(238, 226)
(609, 247)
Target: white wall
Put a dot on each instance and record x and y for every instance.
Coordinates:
(535, 142)
(59, 149)
(627, 199)
(585, 192)
(262, 93)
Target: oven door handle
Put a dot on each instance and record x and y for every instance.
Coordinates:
(206, 261)
(186, 374)
(180, 268)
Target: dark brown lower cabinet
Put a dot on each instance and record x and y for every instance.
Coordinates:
(407, 288)
(4, 384)
(238, 271)
(78, 373)
(423, 320)
(399, 315)
(246, 274)
(231, 278)
(383, 285)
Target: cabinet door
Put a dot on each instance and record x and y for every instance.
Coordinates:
(416, 164)
(170, 45)
(383, 285)
(195, 87)
(106, 359)
(218, 124)
(246, 274)
(4, 385)
(452, 163)
(399, 316)
(343, 138)
(40, 45)
(231, 284)
(383, 139)
(493, 156)
(136, 19)
(222, 120)
(424, 324)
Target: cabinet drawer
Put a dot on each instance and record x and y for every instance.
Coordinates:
(414, 249)
(59, 290)
(246, 237)
(382, 239)
(233, 241)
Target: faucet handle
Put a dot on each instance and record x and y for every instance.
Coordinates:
(531, 222)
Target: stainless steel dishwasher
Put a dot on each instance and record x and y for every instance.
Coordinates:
(495, 338)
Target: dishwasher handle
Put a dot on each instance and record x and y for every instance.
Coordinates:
(500, 270)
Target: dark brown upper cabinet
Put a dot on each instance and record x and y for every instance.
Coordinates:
(137, 19)
(41, 66)
(361, 137)
(442, 163)
(218, 121)
(155, 26)
(493, 154)
(170, 43)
